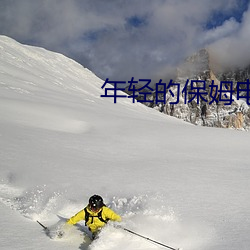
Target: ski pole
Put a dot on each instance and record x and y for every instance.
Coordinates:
(45, 228)
(146, 238)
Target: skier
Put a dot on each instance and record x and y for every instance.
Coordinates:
(95, 214)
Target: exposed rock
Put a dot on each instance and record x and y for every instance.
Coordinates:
(208, 111)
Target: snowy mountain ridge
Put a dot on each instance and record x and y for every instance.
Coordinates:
(42, 73)
(182, 185)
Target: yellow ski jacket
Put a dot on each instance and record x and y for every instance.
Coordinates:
(94, 223)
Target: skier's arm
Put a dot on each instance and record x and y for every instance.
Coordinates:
(77, 217)
(110, 214)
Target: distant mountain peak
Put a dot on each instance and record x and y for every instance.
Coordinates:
(202, 66)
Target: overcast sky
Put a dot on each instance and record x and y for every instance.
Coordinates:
(118, 39)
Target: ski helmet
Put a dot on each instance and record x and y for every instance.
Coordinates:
(95, 202)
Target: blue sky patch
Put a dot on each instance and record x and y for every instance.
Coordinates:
(219, 16)
(136, 21)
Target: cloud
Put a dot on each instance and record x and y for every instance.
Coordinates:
(226, 29)
(120, 39)
(232, 50)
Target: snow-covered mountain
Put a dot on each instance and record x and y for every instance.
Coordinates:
(179, 184)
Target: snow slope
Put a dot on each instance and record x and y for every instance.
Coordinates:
(60, 142)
